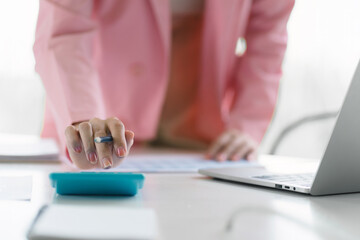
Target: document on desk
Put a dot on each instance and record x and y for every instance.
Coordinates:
(171, 163)
(93, 222)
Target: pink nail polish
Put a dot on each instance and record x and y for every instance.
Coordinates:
(92, 158)
(250, 157)
(221, 157)
(121, 152)
(78, 149)
(106, 163)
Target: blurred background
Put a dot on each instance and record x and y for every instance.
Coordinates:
(323, 51)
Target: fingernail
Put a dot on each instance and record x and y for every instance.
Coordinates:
(106, 163)
(78, 149)
(235, 157)
(251, 157)
(207, 156)
(92, 158)
(221, 157)
(121, 152)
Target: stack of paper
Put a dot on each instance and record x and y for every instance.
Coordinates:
(27, 148)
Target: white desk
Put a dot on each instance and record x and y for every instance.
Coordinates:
(190, 206)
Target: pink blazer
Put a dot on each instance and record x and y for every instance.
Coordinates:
(111, 58)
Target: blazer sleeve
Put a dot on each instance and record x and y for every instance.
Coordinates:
(64, 55)
(259, 70)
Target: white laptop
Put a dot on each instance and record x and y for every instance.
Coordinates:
(339, 169)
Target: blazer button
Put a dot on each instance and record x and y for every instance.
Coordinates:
(137, 69)
(240, 47)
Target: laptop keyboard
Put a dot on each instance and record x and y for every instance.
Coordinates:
(304, 179)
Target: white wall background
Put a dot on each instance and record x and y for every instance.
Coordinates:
(323, 51)
(21, 91)
(324, 47)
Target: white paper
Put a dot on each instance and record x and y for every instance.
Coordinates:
(22, 147)
(176, 162)
(94, 222)
(15, 188)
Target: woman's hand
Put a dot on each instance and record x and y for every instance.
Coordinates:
(86, 154)
(232, 145)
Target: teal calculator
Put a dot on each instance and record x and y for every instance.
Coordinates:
(97, 183)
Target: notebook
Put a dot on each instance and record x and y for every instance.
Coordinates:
(93, 222)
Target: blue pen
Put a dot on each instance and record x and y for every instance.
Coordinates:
(103, 139)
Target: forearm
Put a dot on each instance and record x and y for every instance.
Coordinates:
(259, 70)
(64, 60)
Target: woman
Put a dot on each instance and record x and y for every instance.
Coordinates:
(166, 70)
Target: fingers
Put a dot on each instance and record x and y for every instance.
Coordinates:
(241, 152)
(233, 151)
(86, 135)
(129, 136)
(104, 150)
(75, 148)
(232, 145)
(87, 154)
(117, 131)
(216, 149)
(251, 156)
(73, 140)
